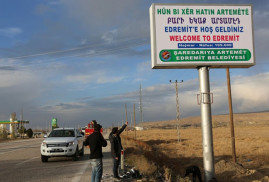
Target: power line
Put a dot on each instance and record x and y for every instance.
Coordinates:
(112, 51)
(71, 49)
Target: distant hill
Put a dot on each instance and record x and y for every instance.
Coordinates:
(240, 119)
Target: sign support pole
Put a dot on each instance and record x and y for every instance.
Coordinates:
(206, 121)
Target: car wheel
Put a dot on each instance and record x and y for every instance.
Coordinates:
(75, 156)
(81, 153)
(44, 158)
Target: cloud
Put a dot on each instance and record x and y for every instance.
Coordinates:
(72, 107)
(11, 78)
(56, 2)
(97, 22)
(10, 32)
(143, 67)
(142, 71)
(261, 41)
(41, 9)
(160, 101)
(109, 36)
(20, 89)
(68, 68)
(95, 77)
(8, 68)
(251, 93)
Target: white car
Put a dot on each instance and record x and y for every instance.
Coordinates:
(62, 142)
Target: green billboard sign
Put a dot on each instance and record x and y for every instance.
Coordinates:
(54, 123)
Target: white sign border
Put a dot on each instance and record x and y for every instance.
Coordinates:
(189, 65)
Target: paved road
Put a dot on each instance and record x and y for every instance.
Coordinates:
(20, 161)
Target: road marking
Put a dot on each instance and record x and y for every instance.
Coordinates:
(26, 161)
(82, 171)
(5, 143)
(13, 149)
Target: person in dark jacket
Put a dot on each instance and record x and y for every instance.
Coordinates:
(96, 141)
(116, 147)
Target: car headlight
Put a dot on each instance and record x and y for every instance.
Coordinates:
(44, 144)
(71, 143)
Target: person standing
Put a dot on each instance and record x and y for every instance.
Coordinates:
(96, 141)
(116, 147)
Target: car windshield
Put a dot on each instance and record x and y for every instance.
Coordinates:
(62, 133)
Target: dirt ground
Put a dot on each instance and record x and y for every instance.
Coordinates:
(252, 150)
(230, 171)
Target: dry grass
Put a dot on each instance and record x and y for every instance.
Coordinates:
(161, 149)
(148, 168)
(255, 119)
(138, 150)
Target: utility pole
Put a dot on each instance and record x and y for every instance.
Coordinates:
(22, 124)
(231, 114)
(177, 105)
(131, 119)
(126, 117)
(134, 122)
(141, 109)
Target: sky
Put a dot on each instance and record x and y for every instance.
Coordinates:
(82, 60)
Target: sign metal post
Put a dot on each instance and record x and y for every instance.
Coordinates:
(206, 123)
